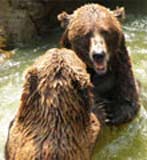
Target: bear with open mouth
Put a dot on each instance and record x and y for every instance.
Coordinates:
(96, 36)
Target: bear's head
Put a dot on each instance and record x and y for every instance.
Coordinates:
(94, 33)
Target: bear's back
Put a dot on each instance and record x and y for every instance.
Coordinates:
(53, 119)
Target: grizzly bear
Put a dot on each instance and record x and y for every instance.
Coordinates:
(96, 36)
(54, 120)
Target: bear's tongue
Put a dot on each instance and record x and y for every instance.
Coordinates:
(99, 66)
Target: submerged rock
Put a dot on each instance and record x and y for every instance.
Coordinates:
(5, 55)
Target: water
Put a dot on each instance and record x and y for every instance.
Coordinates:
(127, 143)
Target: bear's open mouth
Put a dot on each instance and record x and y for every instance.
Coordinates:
(100, 68)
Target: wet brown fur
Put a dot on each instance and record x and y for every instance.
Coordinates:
(54, 119)
(118, 87)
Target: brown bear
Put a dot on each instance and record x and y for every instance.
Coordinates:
(54, 120)
(96, 35)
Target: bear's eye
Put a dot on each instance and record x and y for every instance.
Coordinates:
(111, 38)
(84, 40)
(105, 33)
(110, 34)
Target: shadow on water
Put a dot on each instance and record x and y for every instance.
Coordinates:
(127, 143)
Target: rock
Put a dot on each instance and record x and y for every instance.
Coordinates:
(5, 55)
(3, 41)
(26, 20)
(21, 29)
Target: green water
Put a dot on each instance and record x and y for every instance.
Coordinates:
(127, 143)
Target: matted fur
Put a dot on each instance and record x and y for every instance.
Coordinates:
(117, 87)
(54, 119)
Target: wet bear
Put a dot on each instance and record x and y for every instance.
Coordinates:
(54, 120)
(96, 36)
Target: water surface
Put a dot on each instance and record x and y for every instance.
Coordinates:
(127, 143)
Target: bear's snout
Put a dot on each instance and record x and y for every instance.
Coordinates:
(98, 56)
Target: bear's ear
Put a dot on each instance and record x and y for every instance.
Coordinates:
(119, 13)
(64, 19)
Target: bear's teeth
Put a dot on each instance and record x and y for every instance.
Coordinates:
(100, 66)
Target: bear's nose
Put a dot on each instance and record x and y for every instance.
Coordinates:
(98, 56)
